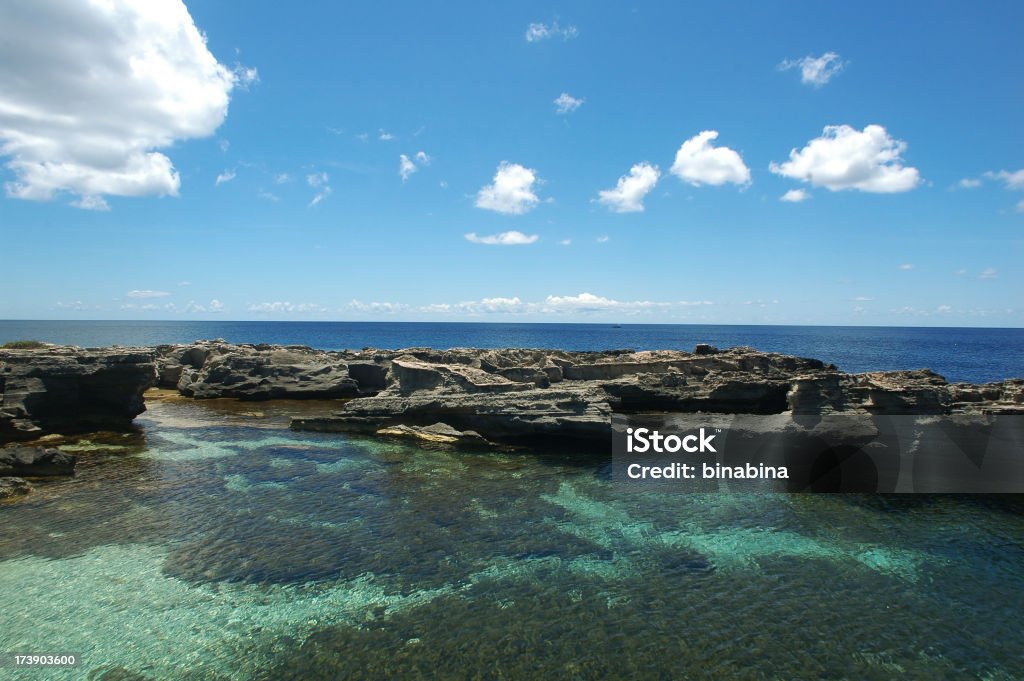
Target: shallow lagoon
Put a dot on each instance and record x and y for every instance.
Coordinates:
(217, 544)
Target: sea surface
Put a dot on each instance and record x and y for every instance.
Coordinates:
(215, 544)
(960, 354)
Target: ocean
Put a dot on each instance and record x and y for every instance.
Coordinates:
(975, 355)
(212, 542)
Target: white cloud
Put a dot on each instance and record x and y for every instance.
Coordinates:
(565, 242)
(512, 238)
(906, 267)
(388, 308)
(385, 136)
(629, 192)
(815, 71)
(603, 239)
(1013, 180)
(282, 178)
(184, 283)
(863, 299)
(1020, 206)
(847, 158)
(226, 176)
(539, 31)
(91, 202)
(511, 192)
(588, 302)
(969, 183)
(146, 293)
(319, 182)
(90, 90)
(285, 307)
(224, 145)
(405, 167)
(944, 308)
(566, 103)
(699, 162)
(795, 196)
(989, 273)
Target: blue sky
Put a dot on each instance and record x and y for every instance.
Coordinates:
(570, 162)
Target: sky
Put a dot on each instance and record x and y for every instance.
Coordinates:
(644, 162)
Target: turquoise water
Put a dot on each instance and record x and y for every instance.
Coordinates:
(216, 544)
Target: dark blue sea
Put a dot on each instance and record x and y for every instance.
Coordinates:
(960, 354)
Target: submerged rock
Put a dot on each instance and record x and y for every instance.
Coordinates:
(35, 462)
(13, 487)
(69, 390)
(438, 433)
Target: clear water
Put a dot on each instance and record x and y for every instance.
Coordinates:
(960, 354)
(216, 544)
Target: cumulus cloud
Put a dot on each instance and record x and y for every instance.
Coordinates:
(385, 136)
(628, 194)
(512, 238)
(540, 31)
(226, 176)
(1012, 180)
(565, 242)
(699, 162)
(282, 178)
(146, 293)
(847, 158)
(969, 183)
(319, 182)
(511, 192)
(603, 239)
(815, 71)
(795, 196)
(566, 103)
(906, 267)
(90, 90)
(989, 273)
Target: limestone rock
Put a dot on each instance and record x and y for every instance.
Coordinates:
(65, 390)
(11, 488)
(438, 433)
(35, 462)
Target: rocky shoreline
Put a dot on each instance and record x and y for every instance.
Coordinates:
(462, 396)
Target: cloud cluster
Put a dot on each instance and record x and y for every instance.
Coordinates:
(407, 166)
(511, 192)
(540, 31)
(285, 307)
(320, 183)
(699, 162)
(628, 194)
(580, 304)
(511, 238)
(566, 103)
(122, 79)
(146, 293)
(844, 158)
(815, 71)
